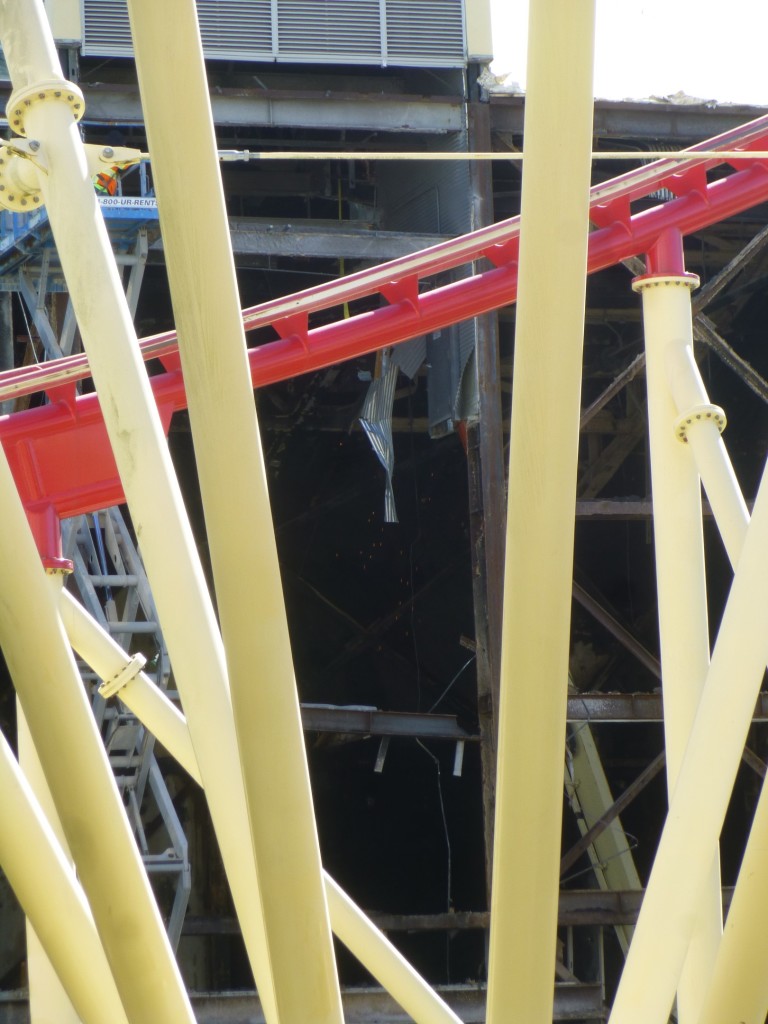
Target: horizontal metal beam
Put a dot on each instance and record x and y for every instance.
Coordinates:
(361, 1005)
(633, 707)
(370, 722)
(638, 120)
(283, 108)
(625, 508)
(576, 908)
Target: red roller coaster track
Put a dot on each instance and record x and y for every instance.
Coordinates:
(60, 454)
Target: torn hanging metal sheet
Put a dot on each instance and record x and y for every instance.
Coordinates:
(376, 421)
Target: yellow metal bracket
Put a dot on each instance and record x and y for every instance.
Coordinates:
(22, 160)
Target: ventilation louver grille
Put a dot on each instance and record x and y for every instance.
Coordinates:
(406, 33)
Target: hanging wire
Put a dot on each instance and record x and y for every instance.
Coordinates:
(449, 864)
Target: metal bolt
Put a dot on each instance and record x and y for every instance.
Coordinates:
(34, 145)
(41, 95)
(107, 152)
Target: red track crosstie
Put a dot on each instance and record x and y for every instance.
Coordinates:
(60, 454)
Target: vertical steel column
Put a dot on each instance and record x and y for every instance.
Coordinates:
(132, 421)
(485, 470)
(233, 486)
(80, 780)
(540, 516)
(680, 571)
(51, 897)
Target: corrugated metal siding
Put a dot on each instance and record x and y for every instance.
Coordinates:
(407, 33)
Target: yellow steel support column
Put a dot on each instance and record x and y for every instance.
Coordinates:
(48, 999)
(150, 705)
(131, 417)
(51, 897)
(80, 780)
(540, 517)
(233, 486)
(737, 992)
(681, 585)
(669, 914)
(738, 987)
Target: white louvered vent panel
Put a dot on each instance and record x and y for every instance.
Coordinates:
(230, 29)
(325, 30)
(106, 32)
(236, 29)
(426, 32)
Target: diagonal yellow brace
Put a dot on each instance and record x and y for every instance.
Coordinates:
(51, 897)
(233, 486)
(80, 779)
(151, 706)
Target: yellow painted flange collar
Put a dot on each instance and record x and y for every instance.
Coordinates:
(128, 672)
(699, 414)
(56, 89)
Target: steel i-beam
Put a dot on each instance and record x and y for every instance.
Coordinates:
(233, 486)
(541, 512)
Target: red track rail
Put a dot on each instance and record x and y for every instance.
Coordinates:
(60, 454)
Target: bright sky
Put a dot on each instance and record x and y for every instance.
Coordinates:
(712, 49)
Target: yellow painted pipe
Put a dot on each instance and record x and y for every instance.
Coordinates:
(80, 780)
(233, 487)
(51, 897)
(130, 413)
(737, 992)
(541, 511)
(700, 421)
(681, 587)
(738, 987)
(136, 690)
(155, 711)
(48, 999)
(669, 913)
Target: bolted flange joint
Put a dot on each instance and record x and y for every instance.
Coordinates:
(19, 176)
(128, 672)
(699, 414)
(43, 92)
(647, 281)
